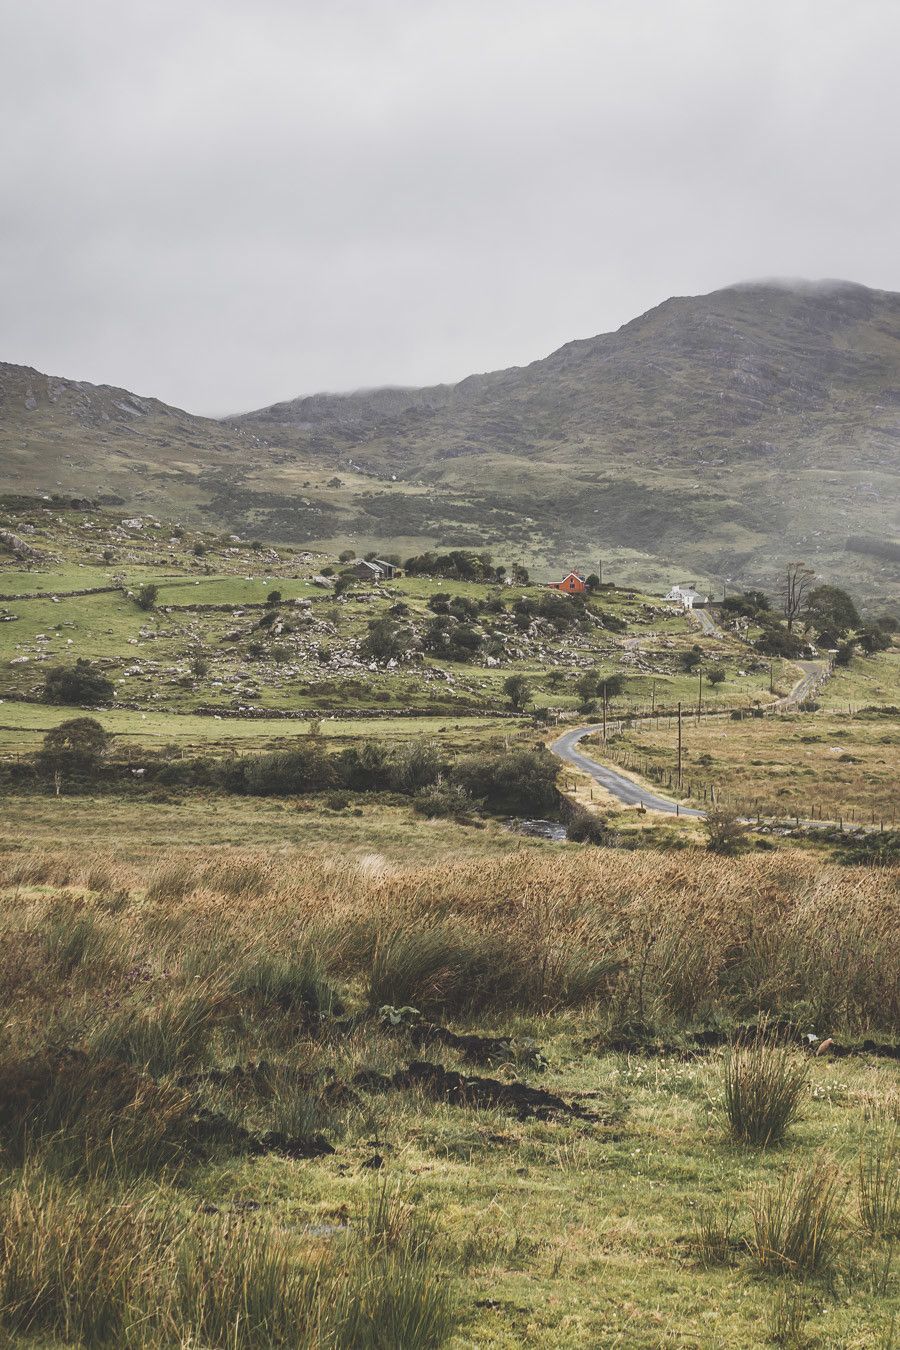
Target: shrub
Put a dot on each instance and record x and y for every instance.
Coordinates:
(795, 1222)
(76, 685)
(725, 832)
(586, 827)
(764, 1086)
(306, 768)
(515, 782)
(444, 800)
(146, 596)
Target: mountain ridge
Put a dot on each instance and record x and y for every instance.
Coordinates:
(722, 433)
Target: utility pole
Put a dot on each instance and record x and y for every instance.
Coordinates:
(771, 678)
(700, 696)
(600, 571)
(679, 746)
(604, 715)
(653, 698)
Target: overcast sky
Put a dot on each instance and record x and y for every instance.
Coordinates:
(228, 202)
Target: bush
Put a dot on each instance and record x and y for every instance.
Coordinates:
(764, 1086)
(146, 596)
(78, 685)
(444, 800)
(387, 640)
(586, 827)
(282, 773)
(415, 766)
(725, 832)
(515, 782)
(517, 690)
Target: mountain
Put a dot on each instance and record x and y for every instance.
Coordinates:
(715, 436)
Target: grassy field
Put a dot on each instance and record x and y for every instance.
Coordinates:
(155, 1196)
(320, 1072)
(309, 656)
(796, 764)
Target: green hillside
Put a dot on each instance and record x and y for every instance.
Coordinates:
(714, 436)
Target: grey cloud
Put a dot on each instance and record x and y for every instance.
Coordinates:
(224, 203)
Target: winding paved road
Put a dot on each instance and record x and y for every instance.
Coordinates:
(632, 793)
(627, 791)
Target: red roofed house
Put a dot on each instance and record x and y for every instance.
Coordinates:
(573, 584)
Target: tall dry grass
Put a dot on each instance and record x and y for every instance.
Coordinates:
(657, 937)
(127, 1270)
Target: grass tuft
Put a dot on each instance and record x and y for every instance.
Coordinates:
(795, 1223)
(879, 1187)
(765, 1083)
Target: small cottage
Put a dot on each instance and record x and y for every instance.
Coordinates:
(573, 583)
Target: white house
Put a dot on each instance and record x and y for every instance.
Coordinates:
(686, 596)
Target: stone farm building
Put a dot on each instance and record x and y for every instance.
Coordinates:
(372, 569)
(573, 583)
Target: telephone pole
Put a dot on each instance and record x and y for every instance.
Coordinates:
(700, 696)
(679, 746)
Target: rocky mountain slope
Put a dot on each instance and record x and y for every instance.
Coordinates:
(716, 435)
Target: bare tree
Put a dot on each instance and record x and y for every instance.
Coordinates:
(795, 585)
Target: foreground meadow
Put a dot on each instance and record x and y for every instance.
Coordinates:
(257, 1097)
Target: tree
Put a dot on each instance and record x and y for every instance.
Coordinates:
(592, 581)
(517, 690)
(273, 598)
(691, 660)
(873, 640)
(844, 654)
(610, 686)
(146, 596)
(346, 556)
(586, 687)
(794, 589)
(78, 685)
(73, 748)
(716, 675)
(831, 610)
(387, 639)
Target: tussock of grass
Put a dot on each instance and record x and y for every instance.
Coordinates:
(879, 1186)
(765, 1082)
(795, 1223)
(165, 1035)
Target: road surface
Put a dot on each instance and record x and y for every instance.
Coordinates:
(627, 791)
(707, 623)
(633, 794)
